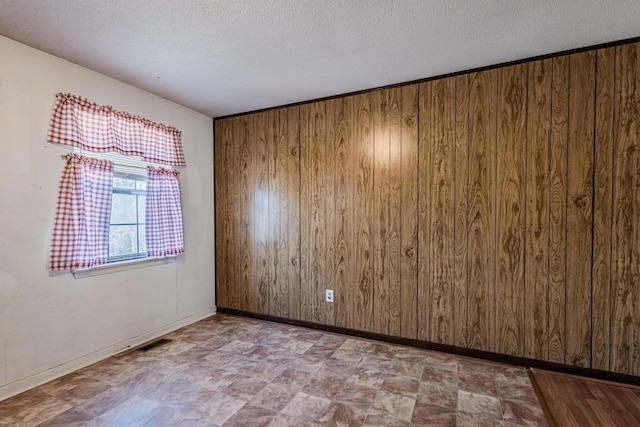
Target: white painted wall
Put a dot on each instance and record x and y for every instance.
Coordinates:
(51, 323)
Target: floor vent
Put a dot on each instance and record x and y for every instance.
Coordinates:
(154, 344)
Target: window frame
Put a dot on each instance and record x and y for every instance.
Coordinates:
(131, 166)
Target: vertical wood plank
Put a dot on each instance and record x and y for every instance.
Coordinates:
(537, 211)
(409, 197)
(579, 207)
(512, 149)
(219, 212)
(344, 224)
(293, 222)
(244, 215)
(306, 185)
(482, 227)
(441, 255)
(315, 267)
(602, 202)
(395, 213)
(461, 179)
(279, 212)
(364, 157)
(275, 280)
(235, 254)
(626, 237)
(424, 206)
(380, 107)
(252, 184)
(233, 246)
(319, 216)
(223, 157)
(236, 235)
(557, 208)
(634, 126)
(260, 195)
(329, 201)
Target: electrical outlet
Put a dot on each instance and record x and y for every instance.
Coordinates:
(329, 295)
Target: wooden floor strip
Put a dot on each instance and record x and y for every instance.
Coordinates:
(543, 401)
(569, 400)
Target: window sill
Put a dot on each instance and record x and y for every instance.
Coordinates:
(115, 267)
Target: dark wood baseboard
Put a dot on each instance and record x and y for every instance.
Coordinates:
(461, 351)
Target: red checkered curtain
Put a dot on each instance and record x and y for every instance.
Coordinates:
(81, 228)
(164, 214)
(77, 122)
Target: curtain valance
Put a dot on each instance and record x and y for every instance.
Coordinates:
(77, 122)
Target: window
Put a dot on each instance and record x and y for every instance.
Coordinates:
(127, 223)
(127, 237)
(114, 203)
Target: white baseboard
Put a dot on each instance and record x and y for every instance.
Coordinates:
(24, 384)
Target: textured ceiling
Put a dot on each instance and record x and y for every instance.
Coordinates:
(222, 57)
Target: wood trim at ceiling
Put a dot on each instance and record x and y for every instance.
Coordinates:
(442, 76)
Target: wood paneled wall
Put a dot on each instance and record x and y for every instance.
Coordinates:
(496, 210)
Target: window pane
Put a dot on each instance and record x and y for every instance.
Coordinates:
(143, 238)
(122, 240)
(127, 233)
(123, 209)
(119, 182)
(142, 205)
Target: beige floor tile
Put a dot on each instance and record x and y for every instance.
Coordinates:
(393, 405)
(73, 418)
(220, 407)
(32, 408)
(251, 416)
(475, 403)
(307, 406)
(130, 412)
(433, 416)
(341, 414)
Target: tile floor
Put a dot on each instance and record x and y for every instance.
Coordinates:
(235, 371)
